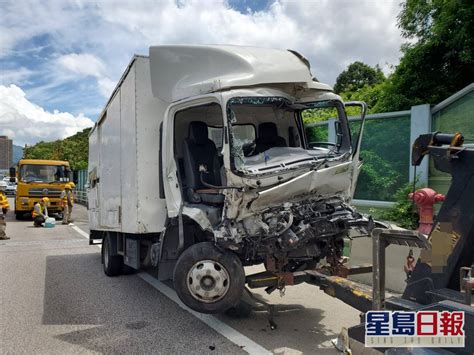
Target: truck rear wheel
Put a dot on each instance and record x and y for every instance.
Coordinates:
(209, 280)
(112, 262)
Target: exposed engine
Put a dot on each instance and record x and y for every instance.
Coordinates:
(295, 236)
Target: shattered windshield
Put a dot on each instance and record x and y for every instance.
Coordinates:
(272, 132)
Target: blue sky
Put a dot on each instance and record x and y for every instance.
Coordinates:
(60, 60)
(252, 5)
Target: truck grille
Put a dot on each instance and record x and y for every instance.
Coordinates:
(45, 192)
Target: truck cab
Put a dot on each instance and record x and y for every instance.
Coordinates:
(37, 179)
(210, 158)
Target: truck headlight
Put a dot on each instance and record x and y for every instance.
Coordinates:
(24, 201)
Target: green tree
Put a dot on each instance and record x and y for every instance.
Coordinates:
(439, 60)
(378, 178)
(74, 149)
(372, 95)
(356, 76)
(404, 212)
(385, 167)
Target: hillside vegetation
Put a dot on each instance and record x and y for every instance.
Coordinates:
(74, 149)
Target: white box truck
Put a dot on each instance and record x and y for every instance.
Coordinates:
(210, 158)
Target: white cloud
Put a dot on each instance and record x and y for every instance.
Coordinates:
(28, 123)
(23, 20)
(85, 64)
(17, 75)
(331, 34)
(87, 39)
(106, 86)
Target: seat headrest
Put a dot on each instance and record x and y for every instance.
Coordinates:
(267, 131)
(198, 132)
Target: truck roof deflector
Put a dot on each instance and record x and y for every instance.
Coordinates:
(178, 72)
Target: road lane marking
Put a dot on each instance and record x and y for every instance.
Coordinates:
(228, 332)
(80, 231)
(41, 242)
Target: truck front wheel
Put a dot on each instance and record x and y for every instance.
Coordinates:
(112, 262)
(209, 280)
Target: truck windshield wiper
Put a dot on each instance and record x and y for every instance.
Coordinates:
(320, 163)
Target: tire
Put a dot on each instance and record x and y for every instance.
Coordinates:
(19, 215)
(112, 263)
(208, 280)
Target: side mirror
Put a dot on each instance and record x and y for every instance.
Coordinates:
(248, 148)
(12, 174)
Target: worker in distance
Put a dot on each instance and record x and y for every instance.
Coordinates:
(67, 202)
(4, 206)
(40, 212)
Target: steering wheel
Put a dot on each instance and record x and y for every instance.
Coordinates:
(249, 148)
(30, 177)
(317, 144)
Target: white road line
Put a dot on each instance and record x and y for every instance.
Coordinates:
(41, 242)
(80, 231)
(230, 333)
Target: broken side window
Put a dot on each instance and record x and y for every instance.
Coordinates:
(317, 121)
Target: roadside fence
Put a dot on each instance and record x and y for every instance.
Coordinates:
(386, 148)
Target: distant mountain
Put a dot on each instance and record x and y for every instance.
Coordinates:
(17, 153)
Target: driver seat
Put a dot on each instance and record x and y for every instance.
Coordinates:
(268, 137)
(201, 152)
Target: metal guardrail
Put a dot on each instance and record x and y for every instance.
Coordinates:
(81, 197)
(373, 203)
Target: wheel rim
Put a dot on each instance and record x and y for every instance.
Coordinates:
(208, 281)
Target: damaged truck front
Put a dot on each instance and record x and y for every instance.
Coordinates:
(249, 171)
(292, 209)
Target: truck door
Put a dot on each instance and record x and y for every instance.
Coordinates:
(356, 133)
(169, 182)
(169, 168)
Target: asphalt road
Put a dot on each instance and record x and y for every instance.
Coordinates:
(55, 298)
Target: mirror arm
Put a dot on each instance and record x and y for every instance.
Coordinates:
(364, 109)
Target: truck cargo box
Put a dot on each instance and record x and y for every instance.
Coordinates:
(124, 157)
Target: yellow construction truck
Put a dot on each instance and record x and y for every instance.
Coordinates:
(38, 179)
